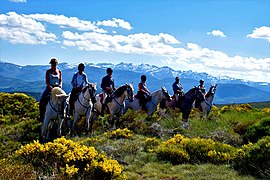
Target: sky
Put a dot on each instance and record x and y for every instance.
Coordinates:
(220, 37)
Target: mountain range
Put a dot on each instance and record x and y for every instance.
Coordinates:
(31, 79)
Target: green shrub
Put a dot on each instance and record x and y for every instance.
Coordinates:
(258, 130)
(151, 144)
(254, 159)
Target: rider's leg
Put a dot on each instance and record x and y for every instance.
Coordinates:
(103, 103)
(43, 102)
(71, 101)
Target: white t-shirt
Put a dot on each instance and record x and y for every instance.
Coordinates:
(79, 79)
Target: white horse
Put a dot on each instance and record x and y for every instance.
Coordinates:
(54, 112)
(151, 105)
(206, 105)
(83, 105)
(116, 104)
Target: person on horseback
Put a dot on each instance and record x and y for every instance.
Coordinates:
(79, 80)
(53, 79)
(107, 85)
(178, 90)
(143, 93)
(201, 87)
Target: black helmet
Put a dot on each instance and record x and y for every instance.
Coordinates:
(143, 77)
(177, 78)
(109, 70)
(81, 66)
(201, 81)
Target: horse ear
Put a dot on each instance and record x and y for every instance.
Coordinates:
(132, 83)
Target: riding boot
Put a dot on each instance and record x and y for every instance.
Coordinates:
(102, 110)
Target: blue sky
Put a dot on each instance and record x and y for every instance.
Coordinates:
(219, 37)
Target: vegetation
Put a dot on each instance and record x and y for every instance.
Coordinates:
(234, 143)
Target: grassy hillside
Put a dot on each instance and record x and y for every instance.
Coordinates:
(143, 148)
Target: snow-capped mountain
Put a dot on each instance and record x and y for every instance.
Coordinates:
(31, 78)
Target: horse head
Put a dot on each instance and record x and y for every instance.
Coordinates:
(199, 95)
(212, 91)
(166, 94)
(92, 88)
(58, 95)
(130, 91)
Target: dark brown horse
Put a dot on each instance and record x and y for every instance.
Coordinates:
(185, 102)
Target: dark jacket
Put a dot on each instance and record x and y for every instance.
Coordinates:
(107, 82)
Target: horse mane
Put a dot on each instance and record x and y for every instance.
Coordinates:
(155, 92)
(93, 85)
(191, 90)
(119, 91)
(57, 91)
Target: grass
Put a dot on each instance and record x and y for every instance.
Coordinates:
(224, 125)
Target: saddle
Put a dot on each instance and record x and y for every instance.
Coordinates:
(108, 98)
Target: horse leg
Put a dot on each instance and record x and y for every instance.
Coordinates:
(117, 122)
(92, 119)
(50, 127)
(44, 129)
(59, 130)
(87, 119)
(112, 121)
(74, 126)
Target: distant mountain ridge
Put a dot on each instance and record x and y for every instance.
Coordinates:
(31, 78)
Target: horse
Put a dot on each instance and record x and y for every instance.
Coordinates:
(151, 105)
(206, 105)
(54, 111)
(184, 103)
(83, 106)
(115, 106)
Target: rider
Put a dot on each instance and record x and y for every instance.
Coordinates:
(53, 79)
(108, 87)
(178, 90)
(79, 80)
(143, 93)
(201, 87)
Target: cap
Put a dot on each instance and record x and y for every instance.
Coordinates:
(53, 61)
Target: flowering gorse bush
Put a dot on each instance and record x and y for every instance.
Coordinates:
(119, 133)
(180, 149)
(69, 158)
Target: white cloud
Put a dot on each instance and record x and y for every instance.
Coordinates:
(115, 23)
(135, 43)
(18, 29)
(28, 29)
(193, 57)
(18, 1)
(261, 33)
(216, 33)
(67, 22)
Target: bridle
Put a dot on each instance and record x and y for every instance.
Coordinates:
(92, 93)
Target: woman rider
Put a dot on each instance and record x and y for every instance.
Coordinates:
(53, 79)
(143, 93)
(79, 80)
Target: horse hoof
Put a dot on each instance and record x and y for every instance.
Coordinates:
(185, 125)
